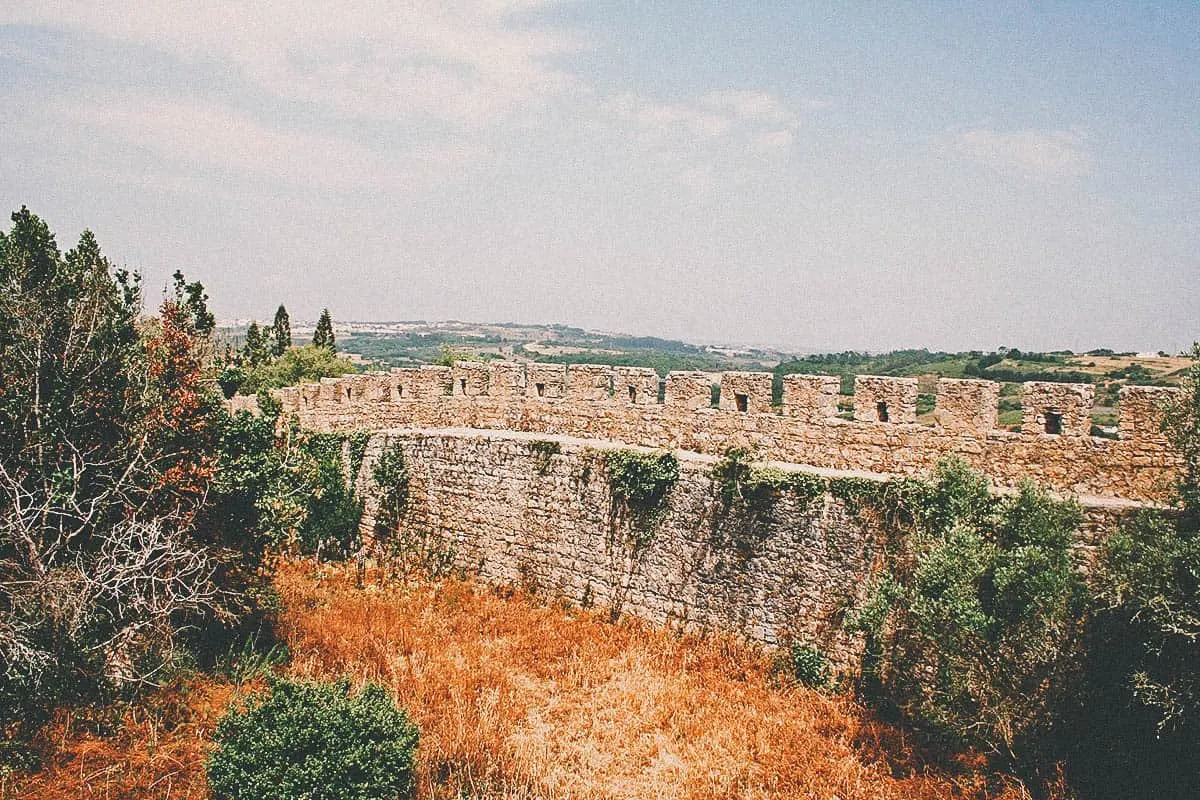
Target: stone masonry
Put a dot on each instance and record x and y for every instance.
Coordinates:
(1054, 446)
(494, 505)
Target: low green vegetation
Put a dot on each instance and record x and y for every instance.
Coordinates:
(390, 475)
(314, 741)
(307, 364)
(971, 626)
(805, 664)
(640, 483)
(543, 450)
(741, 483)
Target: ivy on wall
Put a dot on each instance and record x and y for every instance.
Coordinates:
(640, 483)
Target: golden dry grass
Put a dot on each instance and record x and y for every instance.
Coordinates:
(517, 699)
(155, 750)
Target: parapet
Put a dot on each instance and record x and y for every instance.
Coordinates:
(310, 395)
(506, 379)
(242, 402)
(589, 382)
(334, 390)
(635, 385)
(688, 390)
(622, 404)
(431, 381)
(880, 399)
(545, 380)
(747, 392)
(470, 378)
(811, 398)
(289, 398)
(1057, 409)
(1142, 410)
(967, 404)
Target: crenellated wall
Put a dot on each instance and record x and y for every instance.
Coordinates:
(621, 404)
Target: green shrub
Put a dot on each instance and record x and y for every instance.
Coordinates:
(314, 741)
(808, 666)
(972, 628)
(329, 528)
(308, 363)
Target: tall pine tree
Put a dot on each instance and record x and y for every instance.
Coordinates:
(323, 336)
(282, 329)
(257, 349)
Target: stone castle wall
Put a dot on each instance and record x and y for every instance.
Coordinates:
(622, 404)
(509, 509)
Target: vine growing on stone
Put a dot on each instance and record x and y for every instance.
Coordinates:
(390, 475)
(640, 483)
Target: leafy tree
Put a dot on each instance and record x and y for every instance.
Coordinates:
(323, 335)
(314, 741)
(972, 628)
(297, 365)
(104, 460)
(1144, 649)
(257, 349)
(192, 297)
(282, 330)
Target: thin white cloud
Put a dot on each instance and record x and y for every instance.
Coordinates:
(462, 62)
(203, 140)
(749, 120)
(1043, 155)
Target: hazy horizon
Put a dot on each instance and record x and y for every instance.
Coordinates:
(824, 178)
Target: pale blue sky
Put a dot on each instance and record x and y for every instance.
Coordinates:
(805, 175)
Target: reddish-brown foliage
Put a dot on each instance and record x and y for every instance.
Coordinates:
(179, 414)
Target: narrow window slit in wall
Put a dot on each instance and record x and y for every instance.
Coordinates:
(541, 389)
(347, 392)
(742, 401)
(633, 394)
(462, 385)
(1053, 423)
(881, 411)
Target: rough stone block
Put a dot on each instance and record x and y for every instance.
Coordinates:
(688, 390)
(546, 381)
(310, 394)
(635, 386)
(333, 391)
(967, 404)
(432, 381)
(470, 378)
(1060, 409)
(372, 387)
(404, 382)
(242, 402)
(288, 398)
(811, 398)
(507, 379)
(747, 392)
(589, 382)
(1141, 412)
(884, 399)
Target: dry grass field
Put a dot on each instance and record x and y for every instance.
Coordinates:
(519, 699)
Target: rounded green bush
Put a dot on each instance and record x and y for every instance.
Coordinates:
(314, 741)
